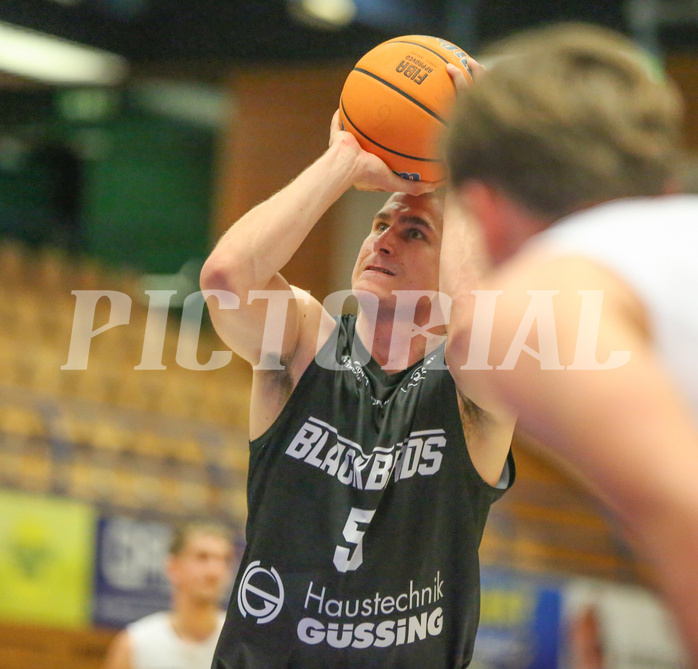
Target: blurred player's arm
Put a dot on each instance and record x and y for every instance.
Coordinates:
(119, 652)
(625, 429)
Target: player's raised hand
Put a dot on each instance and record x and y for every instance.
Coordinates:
(371, 172)
(476, 70)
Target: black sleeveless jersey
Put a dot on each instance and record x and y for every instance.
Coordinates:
(365, 518)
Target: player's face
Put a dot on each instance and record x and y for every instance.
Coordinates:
(403, 248)
(203, 569)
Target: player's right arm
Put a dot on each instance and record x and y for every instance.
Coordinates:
(119, 653)
(249, 256)
(251, 253)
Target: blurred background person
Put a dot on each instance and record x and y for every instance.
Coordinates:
(185, 637)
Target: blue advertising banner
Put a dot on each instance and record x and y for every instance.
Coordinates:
(130, 580)
(531, 621)
(519, 622)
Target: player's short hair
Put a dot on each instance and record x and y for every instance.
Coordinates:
(182, 532)
(567, 116)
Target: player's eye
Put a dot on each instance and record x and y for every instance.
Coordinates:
(415, 233)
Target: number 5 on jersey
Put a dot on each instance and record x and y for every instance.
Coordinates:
(344, 559)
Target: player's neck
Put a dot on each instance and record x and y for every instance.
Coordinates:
(391, 341)
(194, 621)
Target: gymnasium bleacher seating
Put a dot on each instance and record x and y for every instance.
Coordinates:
(170, 441)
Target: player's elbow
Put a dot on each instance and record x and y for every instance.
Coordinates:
(215, 275)
(224, 273)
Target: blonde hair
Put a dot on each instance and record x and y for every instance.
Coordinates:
(184, 531)
(567, 116)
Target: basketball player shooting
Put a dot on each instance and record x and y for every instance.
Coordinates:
(371, 474)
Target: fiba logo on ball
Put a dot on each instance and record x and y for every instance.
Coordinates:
(397, 100)
(261, 593)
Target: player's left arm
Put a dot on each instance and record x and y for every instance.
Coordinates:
(488, 426)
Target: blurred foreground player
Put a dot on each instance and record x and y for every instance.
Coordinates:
(199, 571)
(564, 155)
(371, 471)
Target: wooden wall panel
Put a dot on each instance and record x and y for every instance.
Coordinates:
(279, 125)
(24, 646)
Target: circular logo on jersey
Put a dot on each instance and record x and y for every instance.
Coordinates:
(261, 593)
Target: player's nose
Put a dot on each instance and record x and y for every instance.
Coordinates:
(384, 243)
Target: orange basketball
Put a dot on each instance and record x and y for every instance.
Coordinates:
(397, 99)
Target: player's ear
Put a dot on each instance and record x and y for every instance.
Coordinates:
(171, 569)
(493, 212)
(480, 200)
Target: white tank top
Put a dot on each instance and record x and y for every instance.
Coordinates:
(652, 244)
(155, 645)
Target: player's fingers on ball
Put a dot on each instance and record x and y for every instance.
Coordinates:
(459, 80)
(412, 187)
(476, 68)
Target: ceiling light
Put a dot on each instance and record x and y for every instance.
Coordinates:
(324, 13)
(190, 102)
(33, 55)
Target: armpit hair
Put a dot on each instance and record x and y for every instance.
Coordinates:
(278, 381)
(472, 416)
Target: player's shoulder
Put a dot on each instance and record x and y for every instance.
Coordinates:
(542, 266)
(544, 290)
(315, 326)
(149, 623)
(120, 651)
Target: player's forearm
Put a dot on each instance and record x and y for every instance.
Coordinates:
(258, 245)
(678, 575)
(667, 528)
